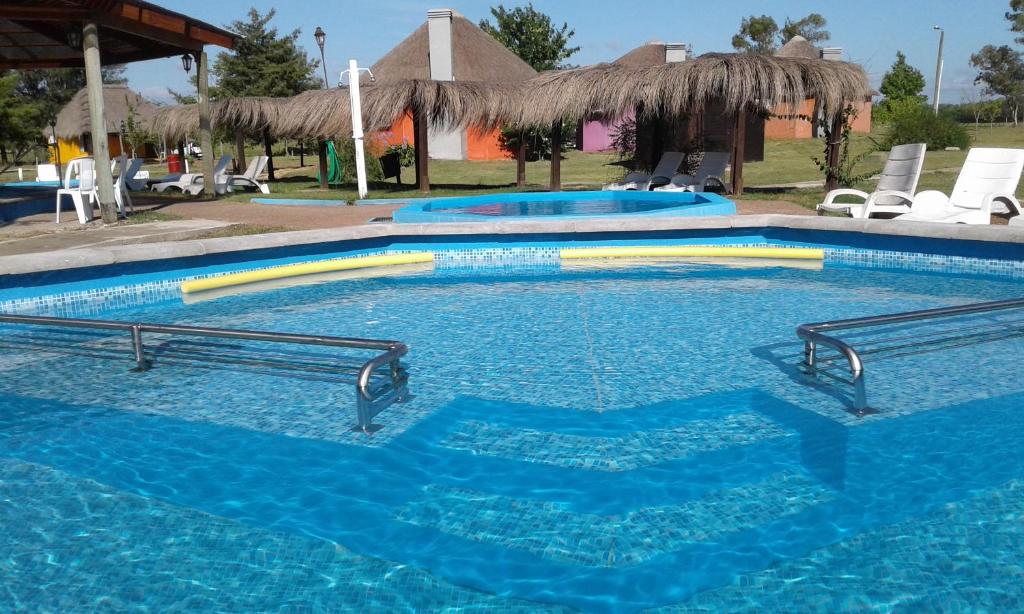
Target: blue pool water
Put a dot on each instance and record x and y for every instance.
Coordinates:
(597, 438)
(550, 205)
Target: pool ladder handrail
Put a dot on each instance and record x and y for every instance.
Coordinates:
(366, 398)
(814, 335)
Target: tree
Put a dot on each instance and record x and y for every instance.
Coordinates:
(1001, 72)
(532, 36)
(263, 63)
(20, 121)
(757, 35)
(53, 88)
(762, 34)
(1016, 17)
(902, 82)
(810, 27)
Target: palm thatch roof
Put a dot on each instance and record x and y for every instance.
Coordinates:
(326, 113)
(799, 47)
(250, 113)
(729, 81)
(73, 120)
(476, 56)
(648, 54)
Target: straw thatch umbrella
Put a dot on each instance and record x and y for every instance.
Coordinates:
(731, 83)
(246, 114)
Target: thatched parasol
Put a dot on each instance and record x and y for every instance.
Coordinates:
(728, 81)
(248, 113)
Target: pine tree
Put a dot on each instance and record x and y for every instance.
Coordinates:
(902, 82)
(263, 63)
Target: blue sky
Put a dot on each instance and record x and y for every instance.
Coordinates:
(869, 31)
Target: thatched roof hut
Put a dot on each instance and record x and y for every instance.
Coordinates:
(799, 47)
(73, 121)
(730, 81)
(476, 56)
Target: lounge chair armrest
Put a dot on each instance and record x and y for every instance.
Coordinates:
(834, 194)
(1011, 201)
(635, 176)
(717, 180)
(869, 204)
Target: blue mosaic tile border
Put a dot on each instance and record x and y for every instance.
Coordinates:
(491, 259)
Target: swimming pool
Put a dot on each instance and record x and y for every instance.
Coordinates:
(598, 435)
(555, 205)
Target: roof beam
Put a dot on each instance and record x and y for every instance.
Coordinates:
(128, 26)
(43, 13)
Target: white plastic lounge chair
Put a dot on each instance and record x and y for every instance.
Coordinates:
(662, 175)
(193, 182)
(894, 191)
(710, 171)
(248, 178)
(47, 172)
(986, 185)
(133, 178)
(121, 196)
(82, 169)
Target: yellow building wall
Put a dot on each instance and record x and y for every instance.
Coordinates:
(71, 148)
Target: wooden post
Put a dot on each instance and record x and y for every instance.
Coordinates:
(269, 153)
(205, 131)
(321, 147)
(240, 164)
(419, 121)
(832, 154)
(98, 124)
(521, 161)
(302, 153)
(556, 156)
(739, 146)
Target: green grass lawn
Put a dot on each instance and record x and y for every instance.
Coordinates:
(785, 162)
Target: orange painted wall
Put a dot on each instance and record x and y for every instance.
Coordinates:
(71, 148)
(479, 145)
(485, 145)
(781, 128)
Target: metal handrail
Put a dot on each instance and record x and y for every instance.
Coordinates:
(814, 335)
(366, 399)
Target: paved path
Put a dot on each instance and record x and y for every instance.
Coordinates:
(192, 220)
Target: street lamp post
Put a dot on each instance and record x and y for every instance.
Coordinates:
(321, 37)
(938, 69)
(357, 121)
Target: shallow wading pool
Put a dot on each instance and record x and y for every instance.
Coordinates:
(602, 435)
(555, 205)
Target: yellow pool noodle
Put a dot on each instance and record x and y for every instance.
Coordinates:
(694, 251)
(304, 268)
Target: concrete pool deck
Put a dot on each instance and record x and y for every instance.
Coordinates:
(117, 254)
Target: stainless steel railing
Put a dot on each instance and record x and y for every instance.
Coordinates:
(820, 333)
(369, 400)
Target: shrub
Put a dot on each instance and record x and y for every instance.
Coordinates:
(918, 124)
(347, 155)
(406, 154)
(538, 141)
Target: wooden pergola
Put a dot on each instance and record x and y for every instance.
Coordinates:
(90, 33)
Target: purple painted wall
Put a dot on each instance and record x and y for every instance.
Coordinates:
(597, 136)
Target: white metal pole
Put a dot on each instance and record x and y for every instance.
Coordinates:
(357, 125)
(938, 70)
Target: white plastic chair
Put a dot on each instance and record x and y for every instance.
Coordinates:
(894, 191)
(248, 179)
(986, 185)
(83, 169)
(662, 175)
(47, 172)
(711, 170)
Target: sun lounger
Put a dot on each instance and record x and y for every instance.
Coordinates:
(662, 175)
(709, 172)
(893, 192)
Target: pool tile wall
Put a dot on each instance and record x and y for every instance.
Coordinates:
(85, 298)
